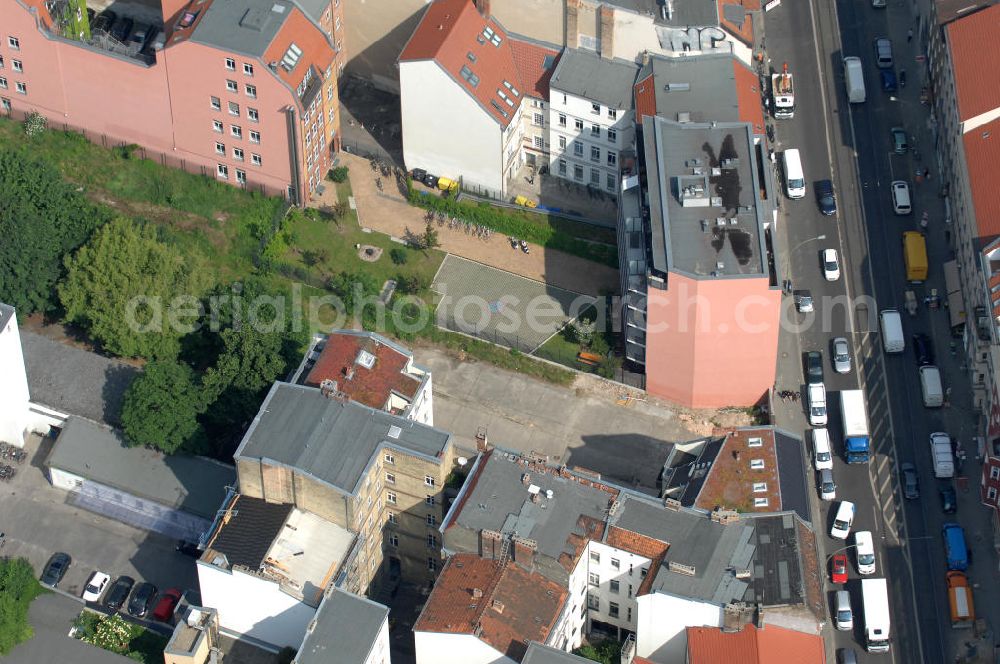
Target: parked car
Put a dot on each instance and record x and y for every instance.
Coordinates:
(843, 520)
(119, 592)
(888, 77)
(864, 548)
(804, 301)
(55, 569)
(96, 584)
(142, 597)
(825, 197)
(843, 616)
(831, 266)
(899, 141)
(949, 500)
(166, 604)
(883, 53)
(908, 478)
(901, 197)
(827, 487)
(923, 349)
(849, 655)
(814, 367)
(841, 355)
(816, 396)
(839, 568)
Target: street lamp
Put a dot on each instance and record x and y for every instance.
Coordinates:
(788, 263)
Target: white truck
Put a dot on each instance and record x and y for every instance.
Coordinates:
(875, 602)
(783, 94)
(930, 386)
(854, 79)
(857, 442)
(941, 453)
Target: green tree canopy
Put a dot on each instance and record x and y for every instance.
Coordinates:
(18, 587)
(121, 287)
(161, 407)
(42, 219)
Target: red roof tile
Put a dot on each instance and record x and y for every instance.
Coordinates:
(710, 645)
(316, 50)
(748, 96)
(982, 158)
(529, 59)
(514, 606)
(645, 98)
(975, 56)
(371, 387)
(641, 545)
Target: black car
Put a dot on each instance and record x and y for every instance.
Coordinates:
(119, 592)
(142, 597)
(825, 197)
(122, 29)
(908, 478)
(814, 367)
(922, 349)
(888, 80)
(949, 501)
(55, 570)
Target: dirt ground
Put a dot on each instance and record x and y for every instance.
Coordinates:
(388, 212)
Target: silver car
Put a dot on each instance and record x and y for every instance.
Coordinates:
(883, 53)
(841, 356)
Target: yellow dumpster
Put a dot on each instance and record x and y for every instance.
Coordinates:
(525, 202)
(447, 184)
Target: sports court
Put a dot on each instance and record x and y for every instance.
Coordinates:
(500, 306)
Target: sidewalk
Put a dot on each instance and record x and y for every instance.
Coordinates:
(388, 212)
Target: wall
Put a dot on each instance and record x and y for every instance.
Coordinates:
(578, 108)
(380, 649)
(712, 343)
(376, 32)
(422, 409)
(436, 648)
(254, 606)
(445, 130)
(14, 416)
(662, 621)
(629, 574)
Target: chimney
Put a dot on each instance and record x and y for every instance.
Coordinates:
(489, 544)
(525, 479)
(524, 551)
(573, 23)
(497, 606)
(759, 621)
(607, 31)
(477, 592)
(482, 443)
(484, 7)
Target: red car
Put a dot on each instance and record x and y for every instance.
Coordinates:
(840, 568)
(164, 610)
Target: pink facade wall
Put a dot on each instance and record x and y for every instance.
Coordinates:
(712, 343)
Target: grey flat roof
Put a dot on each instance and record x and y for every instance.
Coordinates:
(500, 501)
(331, 440)
(73, 380)
(588, 75)
(792, 473)
(722, 235)
(347, 627)
(242, 26)
(711, 87)
(685, 12)
(6, 313)
(539, 654)
(97, 452)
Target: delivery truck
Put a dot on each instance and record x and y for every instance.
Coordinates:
(854, 79)
(857, 445)
(915, 257)
(942, 455)
(875, 602)
(930, 386)
(963, 612)
(783, 94)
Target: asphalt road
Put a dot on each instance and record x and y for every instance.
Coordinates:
(851, 143)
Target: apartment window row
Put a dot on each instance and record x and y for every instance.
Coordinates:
(235, 131)
(5, 103)
(22, 88)
(14, 43)
(223, 172)
(234, 87)
(595, 109)
(234, 108)
(231, 66)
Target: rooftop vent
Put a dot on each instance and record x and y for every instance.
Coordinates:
(394, 432)
(676, 87)
(683, 117)
(497, 606)
(477, 592)
(278, 9)
(744, 574)
(534, 489)
(672, 504)
(680, 568)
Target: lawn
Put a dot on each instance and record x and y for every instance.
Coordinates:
(566, 346)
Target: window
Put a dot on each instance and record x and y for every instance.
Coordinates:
(756, 464)
(612, 158)
(1, 62)
(432, 520)
(222, 171)
(613, 609)
(630, 590)
(251, 90)
(643, 571)
(595, 177)
(577, 172)
(760, 502)
(3, 83)
(248, 69)
(16, 64)
(595, 557)
(469, 77)
(393, 539)
(991, 493)
(595, 109)
(217, 126)
(393, 519)
(428, 480)
(537, 118)
(230, 64)
(429, 500)
(755, 442)
(231, 86)
(241, 176)
(432, 565)
(387, 457)
(539, 142)
(995, 472)
(562, 167)
(216, 103)
(578, 148)
(432, 541)
(760, 487)
(593, 602)
(629, 610)
(562, 142)
(612, 182)
(562, 119)
(253, 114)
(578, 124)
(336, 26)
(236, 131)
(220, 148)
(234, 108)
(238, 154)
(255, 138)
(616, 564)
(612, 135)
(595, 153)
(615, 587)
(255, 159)
(14, 43)
(5, 103)
(612, 114)
(390, 478)
(595, 130)
(594, 579)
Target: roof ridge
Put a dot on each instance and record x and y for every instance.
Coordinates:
(488, 595)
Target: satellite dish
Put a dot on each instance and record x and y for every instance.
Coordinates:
(462, 461)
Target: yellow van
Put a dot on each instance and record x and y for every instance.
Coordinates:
(915, 256)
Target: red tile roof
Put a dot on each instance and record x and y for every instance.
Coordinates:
(452, 30)
(371, 387)
(316, 50)
(748, 96)
(514, 606)
(729, 482)
(710, 645)
(982, 158)
(975, 56)
(645, 98)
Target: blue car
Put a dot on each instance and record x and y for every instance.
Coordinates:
(888, 80)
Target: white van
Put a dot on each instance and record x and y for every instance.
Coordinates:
(930, 386)
(843, 521)
(817, 405)
(822, 452)
(854, 79)
(892, 331)
(864, 547)
(901, 197)
(795, 179)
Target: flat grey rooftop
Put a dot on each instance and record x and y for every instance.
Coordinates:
(704, 88)
(586, 74)
(6, 313)
(792, 473)
(331, 440)
(73, 380)
(347, 627)
(718, 232)
(98, 453)
(242, 26)
(685, 12)
(539, 654)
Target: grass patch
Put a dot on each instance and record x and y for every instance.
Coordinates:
(583, 337)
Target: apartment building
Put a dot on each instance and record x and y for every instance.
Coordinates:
(591, 119)
(348, 629)
(15, 417)
(634, 567)
(710, 645)
(244, 91)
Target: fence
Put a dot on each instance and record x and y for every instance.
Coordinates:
(369, 151)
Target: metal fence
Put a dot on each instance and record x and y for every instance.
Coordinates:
(370, 151)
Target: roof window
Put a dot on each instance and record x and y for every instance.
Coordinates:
(470, 78)
(471, 56)
(291, 57)
(492, 36)
(365, 359)
(512, 89)
(494, 104)
(756, 464)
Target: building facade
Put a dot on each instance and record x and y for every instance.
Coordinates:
(244, 92)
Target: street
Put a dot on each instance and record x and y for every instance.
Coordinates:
(856, 150)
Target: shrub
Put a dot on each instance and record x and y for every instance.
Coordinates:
(34, 124)
(398, 256)
(338, 174)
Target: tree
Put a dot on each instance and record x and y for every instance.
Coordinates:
(18, 588)
(42, 218)
(121, 286)
(161, 407)
(430, 238)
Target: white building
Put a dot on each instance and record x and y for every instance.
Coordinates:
(347, 628)
(591, 118)
(463, 84)
(14, 400)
